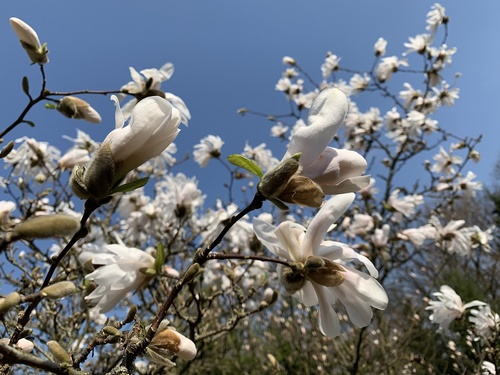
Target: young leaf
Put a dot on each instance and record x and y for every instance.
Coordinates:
(245, 163)
(130, 186)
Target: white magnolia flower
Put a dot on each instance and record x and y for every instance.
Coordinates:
(387, 66)
(445, 163)
(279, 130)
(405, 205)
(208, 148)
(262, 155)
(6, 207)
(148, 83)
(30, 42)
(153, 126)
(75, 156)
(480, 237)
(488, 368)
(417, 236)
(380, 236)
(448, 307)
(436, 17)
(325, 277)
(486, 322)
(418, 44)
(121, 270)
(359, 83)
(330, 65)
(166, 343)
(379, 47)
(466, 184)
(452, 237)
(32, 157)
(336, 171)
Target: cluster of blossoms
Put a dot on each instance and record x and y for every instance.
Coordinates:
(136, 253)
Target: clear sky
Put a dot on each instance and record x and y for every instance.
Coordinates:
(227, 55)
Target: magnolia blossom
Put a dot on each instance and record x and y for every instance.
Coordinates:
(488, 368)
(324, 277)
(445, 162)
(486, 322)
(153, 126)
(404, 206)
(387, 66)
(147, 83)
(167, 342)
(417, 236)
(452, 237)
(448, 307)
(6, 207)
(208, 148)
(76, 156)
(30, 42)
(330, 65)
(436, 17)
(336, 171)
(121, 270)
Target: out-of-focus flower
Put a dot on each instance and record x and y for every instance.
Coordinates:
(32, 158)
(404, 206)
(73, 107)
(76, 156)
(30, 42)
(418, 44)
(445, 162)
(387, 66)
(448, 307)
(147, 83)
(6, 207)
(26, 346)
(153, 126)
(452, 237)
(380, 236)
(379, 47)
(336, 171)
(321, 275)
(330, 65)
(262, 155)
(486, 322)
(208, 148)
(359, 83)
(120, 270)
(479, 237)
(488, 368)
(287, 60)
(436, 17)
(417, 236)
(466, 185)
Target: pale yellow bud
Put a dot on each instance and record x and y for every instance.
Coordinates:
(59, 290)
(58, 352)
(11, 300)
(170, 342)
(76, 108)
(47, 226)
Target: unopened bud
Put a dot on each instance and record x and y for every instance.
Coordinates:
(292, 280)
(111, 331)
(11, 300)
(58, 352)
(172, 341)
(324, 271)
(191, 273)
(303, 191)
(59, 290)
(76, 108)
(270, 295)
(47, 226)
(274, 181)
(287, 60)
(7, 149)
(475, 156)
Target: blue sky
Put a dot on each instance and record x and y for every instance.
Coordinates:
(227, 55)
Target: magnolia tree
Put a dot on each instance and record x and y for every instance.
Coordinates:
(341, 262)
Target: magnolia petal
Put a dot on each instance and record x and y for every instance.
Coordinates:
(119, 119)
(366, 288)
(265, 233)
(166, 71)
(325, 117)
(307, 294)
(326, 216)
(336, 250)
(360, 313)
(349, 185)
(328, 320)
(474, 304)
(289, 235)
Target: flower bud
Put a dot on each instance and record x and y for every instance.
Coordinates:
(111, 331)
(47, 226)
(11, 300)
(292, 280)
(30, 42)
(324, 271)
(58, 352)
(59, 290)
(303, 191)
(76, 108)
(270, 295)
(169, 342)
(276, 180)
(7, 149)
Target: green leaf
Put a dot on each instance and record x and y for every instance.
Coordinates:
(245, 163)
(278, 204)
(50, 106)
(30, 123)
(160, 257)
(130, 186)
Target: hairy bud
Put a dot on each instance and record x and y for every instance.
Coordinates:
(11, 300)
(324, 271)
(275, 181)
(292, 280)
(76, 108)
(47, 226)
(59, 290)
(58, 352)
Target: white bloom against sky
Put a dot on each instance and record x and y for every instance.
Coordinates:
(357, 291)
(208, 148)
(119, 272)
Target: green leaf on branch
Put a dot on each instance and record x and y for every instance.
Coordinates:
(160, 257)
(30, 123)
(130, 186)
(50, 106)
(245, 163)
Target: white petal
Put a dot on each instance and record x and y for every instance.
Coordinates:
(265, 233)
(119, 119)
(326, 216)
(308, 294)
(366, 288)
(328, 320)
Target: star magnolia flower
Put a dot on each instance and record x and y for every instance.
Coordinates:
(208, 148)
(153, 126)
(486, 322)
(336, 171)
(122, 269)
(30, 42)
(324, 278)
(448, 307)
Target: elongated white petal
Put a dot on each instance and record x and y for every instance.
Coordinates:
(328, 320)
(265, 233)
(326, 216)
(308, 294)
(366, 288)
(290, 236)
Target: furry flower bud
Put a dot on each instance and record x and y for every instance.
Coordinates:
(59, 290)
(47, 226)
(76, 108)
